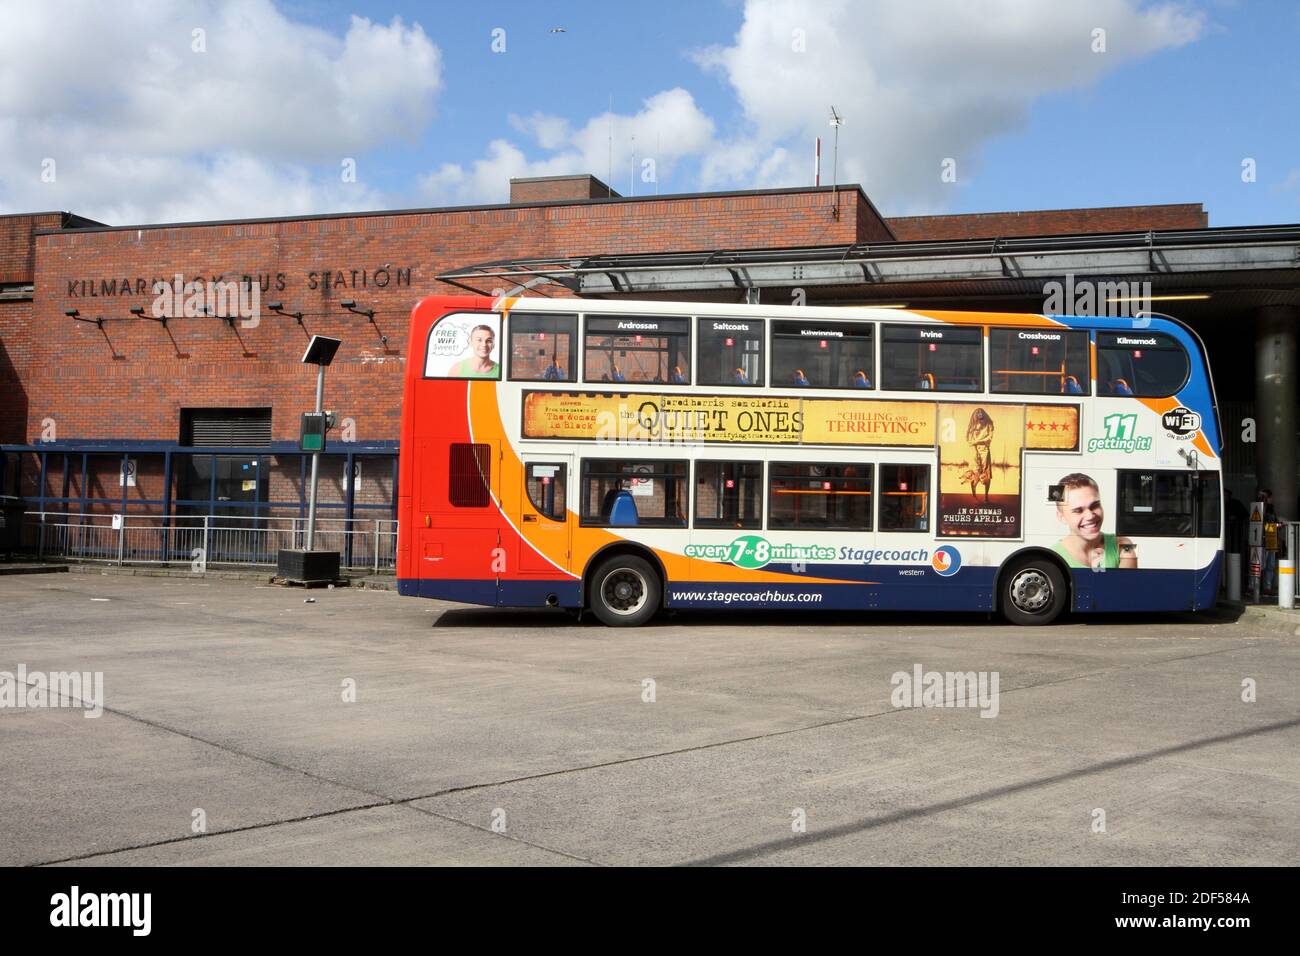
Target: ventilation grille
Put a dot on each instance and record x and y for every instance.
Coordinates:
(226, 427)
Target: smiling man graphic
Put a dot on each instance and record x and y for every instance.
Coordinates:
(482, 339)
(1085, 546)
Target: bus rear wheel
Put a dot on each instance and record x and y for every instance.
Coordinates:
(1033, 592)
(625, 591)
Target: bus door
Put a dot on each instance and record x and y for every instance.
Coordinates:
(545, 513)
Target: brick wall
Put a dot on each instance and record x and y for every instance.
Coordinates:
(384, 262)
(1050, 222)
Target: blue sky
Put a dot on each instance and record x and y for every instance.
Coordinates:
(1015, 93)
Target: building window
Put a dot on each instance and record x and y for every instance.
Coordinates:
(543, 348)
(1038, 362)
(731, 352)
(469, 475)
(728, 494)
(636, 348)
(932, 358)
(904, 497)
(823, 355)
(1142, 364)
(633, 492)
(545, 482)
(1155, 504)
(824, 497)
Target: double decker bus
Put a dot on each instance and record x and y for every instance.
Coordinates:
(627, 457)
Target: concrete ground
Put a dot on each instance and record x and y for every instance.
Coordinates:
(506, 737)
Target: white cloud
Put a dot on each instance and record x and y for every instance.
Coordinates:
(916, 82)
(669, 126)
(143, 127)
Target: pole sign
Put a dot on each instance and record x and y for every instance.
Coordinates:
(312, 436)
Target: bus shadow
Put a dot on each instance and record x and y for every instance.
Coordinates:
(508, 618)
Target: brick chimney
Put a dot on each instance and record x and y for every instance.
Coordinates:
(535, 189)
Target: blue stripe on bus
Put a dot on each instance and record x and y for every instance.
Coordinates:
(864, 587)
(509, 594)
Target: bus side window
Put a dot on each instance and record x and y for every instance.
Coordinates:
(904, 497)
(545, 483)
(1142, 364)
(941, 358)
(1042, 361)
(728, 494)
(543, 348)
(1155, 504)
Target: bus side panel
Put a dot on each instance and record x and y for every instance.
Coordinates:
(864, 587)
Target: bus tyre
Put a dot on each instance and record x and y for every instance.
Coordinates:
(625, 591)
(1033, 592)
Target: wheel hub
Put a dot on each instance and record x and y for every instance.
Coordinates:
(1031, 591)
(624, 591)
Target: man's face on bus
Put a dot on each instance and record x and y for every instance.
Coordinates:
(1081, 512)
(481, 342)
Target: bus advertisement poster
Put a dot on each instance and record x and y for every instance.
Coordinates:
(979, 470)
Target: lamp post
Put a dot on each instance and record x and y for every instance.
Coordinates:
(308, 565)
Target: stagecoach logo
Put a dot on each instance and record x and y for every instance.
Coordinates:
(946, 561)
(1181, 423)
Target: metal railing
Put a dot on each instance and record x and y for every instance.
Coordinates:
(362, 543)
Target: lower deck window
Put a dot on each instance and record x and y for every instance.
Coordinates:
(904, 497)
(633, 492)
(728, 494)
(830, 497)
(545, 482)
(1156, 504)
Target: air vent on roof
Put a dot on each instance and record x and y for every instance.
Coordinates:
(226, 427)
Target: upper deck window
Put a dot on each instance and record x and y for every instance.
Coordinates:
(1038, 362)
(1141, 364)
(823, 355)
(543, 348)
(938, 358)
(637, 348)
(731, 351)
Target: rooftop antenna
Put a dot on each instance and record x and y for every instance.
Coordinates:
(836, 122)
(609, 176)
(631, 181)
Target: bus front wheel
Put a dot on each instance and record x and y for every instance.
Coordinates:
(1033, 592)
(625, 591)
